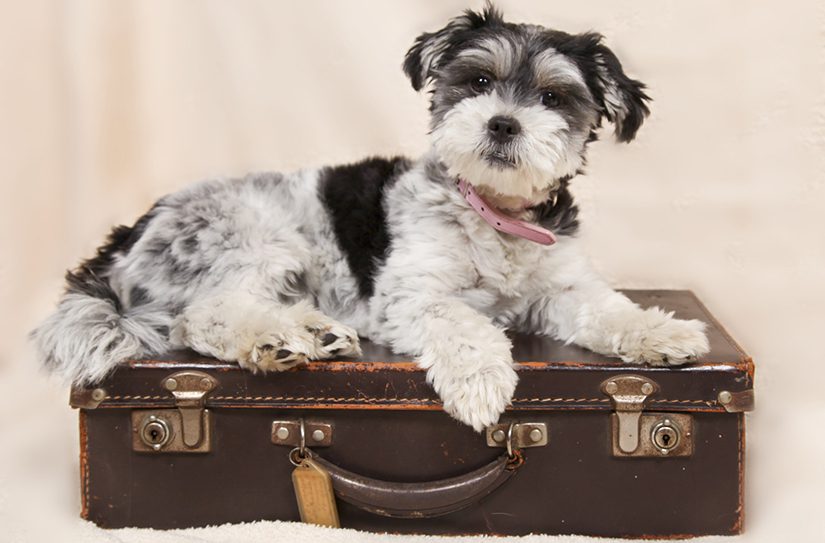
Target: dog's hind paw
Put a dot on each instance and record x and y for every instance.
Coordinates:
(283, 349)
(278, 351)
(333, 339)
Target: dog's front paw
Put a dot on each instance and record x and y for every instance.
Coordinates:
(475, 386)
(655, 337)
(478, 400)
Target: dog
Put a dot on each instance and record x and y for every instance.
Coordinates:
(435, 257)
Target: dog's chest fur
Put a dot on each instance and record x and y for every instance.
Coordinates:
(504, 266)
(434, 228)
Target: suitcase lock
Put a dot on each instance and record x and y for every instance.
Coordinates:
(635, 433)
(185, 429)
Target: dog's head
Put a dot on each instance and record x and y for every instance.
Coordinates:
(514, 105)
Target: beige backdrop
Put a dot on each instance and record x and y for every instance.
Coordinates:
(105, 106)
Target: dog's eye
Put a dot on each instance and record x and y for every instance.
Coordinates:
(550, 99)
(480, 83)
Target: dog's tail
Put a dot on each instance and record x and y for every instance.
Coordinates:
(91, 331)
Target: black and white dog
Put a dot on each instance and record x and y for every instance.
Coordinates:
(434, 257)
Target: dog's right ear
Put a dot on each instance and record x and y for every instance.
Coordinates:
(429, 50)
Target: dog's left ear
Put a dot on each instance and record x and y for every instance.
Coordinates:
(431, 48)
(623, 100)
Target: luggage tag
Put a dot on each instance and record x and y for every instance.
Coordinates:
(314, 493)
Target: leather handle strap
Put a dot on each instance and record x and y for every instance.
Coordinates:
(418, 500)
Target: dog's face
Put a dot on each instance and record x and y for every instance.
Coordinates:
(514, 106)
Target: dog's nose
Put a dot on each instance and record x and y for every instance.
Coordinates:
(503, 128)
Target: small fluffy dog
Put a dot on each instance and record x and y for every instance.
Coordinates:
(434, 257)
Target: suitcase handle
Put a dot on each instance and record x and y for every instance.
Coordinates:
(419, 500)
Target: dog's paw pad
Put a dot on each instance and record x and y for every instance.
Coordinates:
(278, 351)
(337, 340)
(282, 354)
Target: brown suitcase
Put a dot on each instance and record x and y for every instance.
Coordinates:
(596, 447)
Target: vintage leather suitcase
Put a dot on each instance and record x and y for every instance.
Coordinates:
(597, 447)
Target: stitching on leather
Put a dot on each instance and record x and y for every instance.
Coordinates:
(397, 400)
(706, 402)
(127, 397)
(560, 400)
(282, 398)
(324, 399)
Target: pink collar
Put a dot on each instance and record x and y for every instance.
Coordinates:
(501, 222)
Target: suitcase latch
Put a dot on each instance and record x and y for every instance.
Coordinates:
(644, 434)
(187, 428)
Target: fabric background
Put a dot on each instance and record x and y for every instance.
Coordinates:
(105, 106)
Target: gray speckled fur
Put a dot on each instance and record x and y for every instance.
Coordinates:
(250, 270)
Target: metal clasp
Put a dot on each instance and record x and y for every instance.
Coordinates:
(184, 429)
(637, 433)
(629, 393)
(190, 389)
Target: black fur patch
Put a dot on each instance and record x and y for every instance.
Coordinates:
(354, 198)
(91, 277)
(559, 214)
(138, 296)
(589, 54)
(457, 30)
